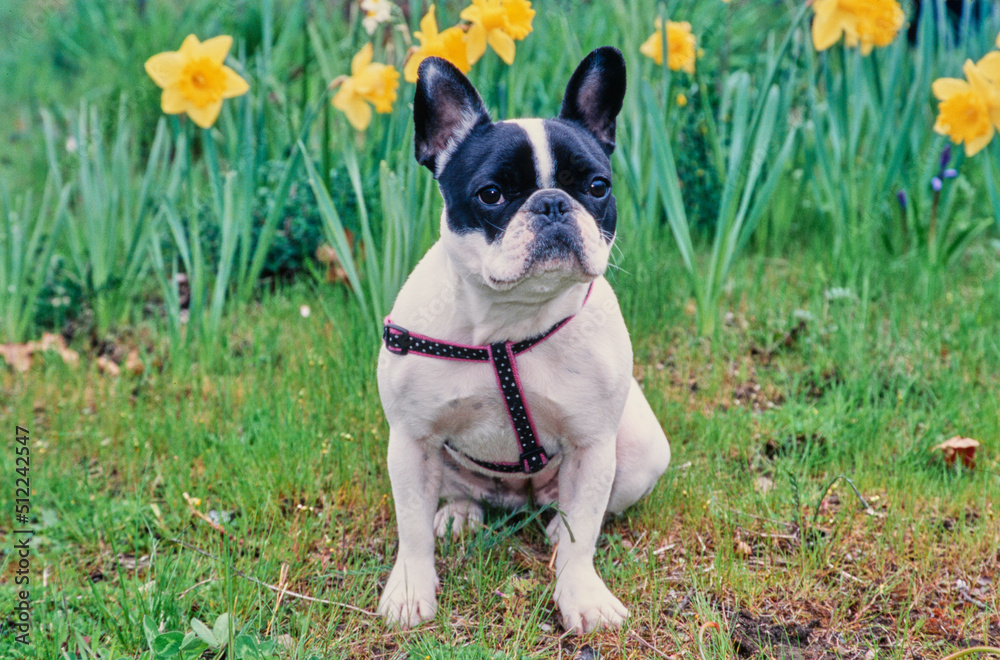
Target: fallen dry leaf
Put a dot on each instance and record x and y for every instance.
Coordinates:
(18, 356)
(133, 364)
(763, 485)
(51, 341)
(959, 447)
(107, 366)
(327, 256)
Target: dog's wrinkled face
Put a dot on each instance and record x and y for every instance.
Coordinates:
(526, 200)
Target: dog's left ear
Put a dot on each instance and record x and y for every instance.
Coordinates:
(594, 95)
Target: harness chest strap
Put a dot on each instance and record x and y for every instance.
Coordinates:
(503, 357)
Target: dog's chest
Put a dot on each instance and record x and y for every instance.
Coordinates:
(461, 403)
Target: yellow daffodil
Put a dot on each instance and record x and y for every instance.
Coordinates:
(969, 110)
(868, 23)
(681, 51)
(195, 80)
(682, 100)
(369, 82)
(497, 23)
(989, 66)
(449, 44)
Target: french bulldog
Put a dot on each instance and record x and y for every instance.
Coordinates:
(506, 369)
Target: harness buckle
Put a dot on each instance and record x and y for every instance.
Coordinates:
(403, 335)
(534, 459)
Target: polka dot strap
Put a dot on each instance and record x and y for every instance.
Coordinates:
(533, 457)
(502, 355)
(401, 341)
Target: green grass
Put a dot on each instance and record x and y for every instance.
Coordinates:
(286, 439)
(843, 338)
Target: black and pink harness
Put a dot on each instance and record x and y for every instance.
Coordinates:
(503, 356)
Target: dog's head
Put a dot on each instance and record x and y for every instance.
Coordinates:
(528, 202)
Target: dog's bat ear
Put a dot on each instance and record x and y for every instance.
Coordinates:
(446, 108)
(594, 95)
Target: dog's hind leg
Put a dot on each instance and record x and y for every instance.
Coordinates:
(643, 452)
(457, 517)
(464, 492)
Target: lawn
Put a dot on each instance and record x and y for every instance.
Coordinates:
(211, 471)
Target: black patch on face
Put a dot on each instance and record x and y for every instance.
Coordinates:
(502, 155)
(579, 161)
(498, 155)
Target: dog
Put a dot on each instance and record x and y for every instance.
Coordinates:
(506, 369)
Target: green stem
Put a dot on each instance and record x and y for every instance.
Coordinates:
(326, 139)
(992, 650)
(773, 69)
(932, 227)
(305, 57)
(718, 155)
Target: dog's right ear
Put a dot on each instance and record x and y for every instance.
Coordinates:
(446, 108)
(595, 93)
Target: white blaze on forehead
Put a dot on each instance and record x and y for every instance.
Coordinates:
(544, 163)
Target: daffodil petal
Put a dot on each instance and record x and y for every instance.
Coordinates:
(475, 42)
(412, 64)
(358, 113)
(453, 47)
(235, 85)
(473, 14)
(362, 59)
(975, 77)
(990, 66)
(651, 48)
(428, 26)
(826, 31)
(344, 93)
(172, 102)
(503, 44)
(205, 115)
(217, 48)
(189, 47)
(165, 68)
(945, 88)
(974, 146)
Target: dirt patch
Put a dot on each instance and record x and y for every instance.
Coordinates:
(798, 444)
(819, 385)
(763, 636)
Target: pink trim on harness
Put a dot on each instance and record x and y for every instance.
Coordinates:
(502, 356)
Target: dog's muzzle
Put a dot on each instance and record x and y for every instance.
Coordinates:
(554, 223)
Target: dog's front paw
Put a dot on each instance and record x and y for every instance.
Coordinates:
(410, 596)
(458, 517)
(586, 604)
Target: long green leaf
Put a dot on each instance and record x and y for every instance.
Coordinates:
(334, 227)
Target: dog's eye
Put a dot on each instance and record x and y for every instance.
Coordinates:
(599, 188)
(490, 195)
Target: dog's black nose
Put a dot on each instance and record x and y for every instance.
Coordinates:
(552, 204)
